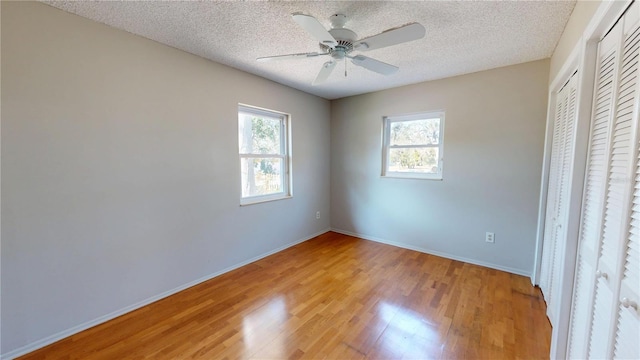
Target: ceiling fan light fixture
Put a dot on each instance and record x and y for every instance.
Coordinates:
(338, 54)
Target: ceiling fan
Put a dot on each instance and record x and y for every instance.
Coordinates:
(339, 42)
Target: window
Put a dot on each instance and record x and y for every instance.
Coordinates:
(412, 146)
(264, 155)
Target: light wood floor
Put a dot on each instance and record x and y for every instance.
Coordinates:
(333, 297)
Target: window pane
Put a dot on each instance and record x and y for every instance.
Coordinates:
(415, 132)
(261, 176)
(416, 160)
(259, 134)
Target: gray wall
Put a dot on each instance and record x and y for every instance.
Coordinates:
(120, 174)
(493, 147)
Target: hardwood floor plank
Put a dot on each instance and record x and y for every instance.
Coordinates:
(332, 297)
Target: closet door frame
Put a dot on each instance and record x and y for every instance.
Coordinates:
(583, 58)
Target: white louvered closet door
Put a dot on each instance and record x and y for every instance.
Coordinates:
(627, 343)
(619, 192)
(563, 198)
(552, 193)
(627, 319)
(557, 202)
(627, 338)
(594, 193)
(545, 271)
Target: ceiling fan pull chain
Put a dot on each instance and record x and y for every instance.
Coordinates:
(345, 66)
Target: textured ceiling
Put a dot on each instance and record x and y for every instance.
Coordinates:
(461, 36)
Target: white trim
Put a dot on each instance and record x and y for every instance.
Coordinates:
(386, 147)
(261, 199)
(284, 155)
(99, 320)
(412, 175)
(427, 115)
(433, 252)
(264, 112)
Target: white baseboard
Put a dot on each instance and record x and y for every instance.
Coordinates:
(436, 253)
(76, 329)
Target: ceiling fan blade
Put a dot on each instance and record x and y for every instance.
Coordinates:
(313, 27)
(391, 37)
(374, 65)
(290, 56)
(324, 73)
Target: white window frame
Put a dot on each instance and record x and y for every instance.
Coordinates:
(386, 147)
(285, 155)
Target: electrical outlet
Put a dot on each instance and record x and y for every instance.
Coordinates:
(317, 214)
(490, 237)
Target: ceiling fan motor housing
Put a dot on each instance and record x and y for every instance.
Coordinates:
(345, 39)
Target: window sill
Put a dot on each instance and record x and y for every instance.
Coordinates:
(412, 177)
(263, 199)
